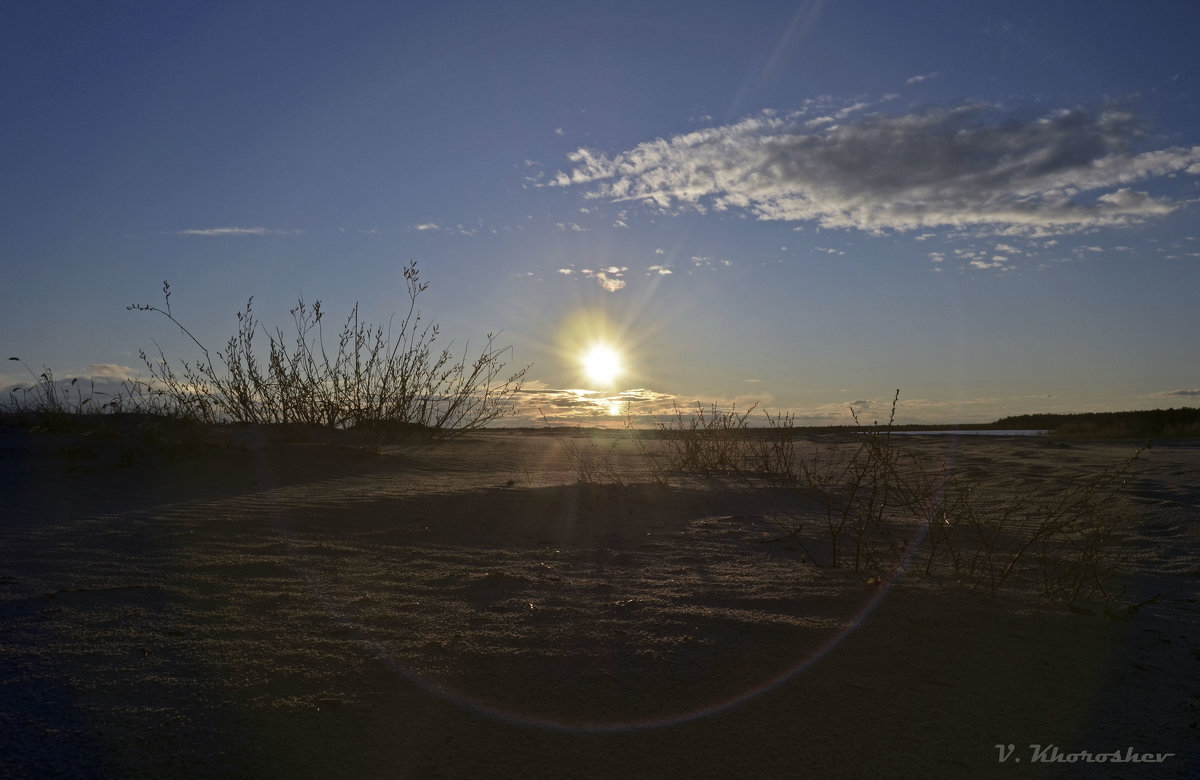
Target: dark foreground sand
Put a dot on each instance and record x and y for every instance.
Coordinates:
(274, 609)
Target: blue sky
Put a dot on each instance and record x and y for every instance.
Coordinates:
(991, 206)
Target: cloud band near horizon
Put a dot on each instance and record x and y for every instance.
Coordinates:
(974, 166)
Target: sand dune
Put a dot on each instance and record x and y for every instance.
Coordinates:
(268, 608)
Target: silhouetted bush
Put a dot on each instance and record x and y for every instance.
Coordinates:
(372, 379)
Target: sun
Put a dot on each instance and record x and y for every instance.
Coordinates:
(602, 364)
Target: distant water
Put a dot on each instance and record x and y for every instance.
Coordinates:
(970, 433)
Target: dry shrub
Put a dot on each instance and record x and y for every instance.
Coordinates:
(709, 443)
(375, 378)
(886, 510)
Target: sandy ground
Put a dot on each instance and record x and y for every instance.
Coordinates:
(267, 608)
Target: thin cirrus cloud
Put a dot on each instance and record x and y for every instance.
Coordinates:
(227, 231)
(974, 166)
(110, 371)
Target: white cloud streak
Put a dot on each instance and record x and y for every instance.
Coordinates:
(974, 166)
(110, 371)
(609, 278)
(227, 231)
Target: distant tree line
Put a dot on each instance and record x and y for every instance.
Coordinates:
(1152, 424)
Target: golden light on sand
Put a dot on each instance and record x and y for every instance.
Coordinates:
(602, 364)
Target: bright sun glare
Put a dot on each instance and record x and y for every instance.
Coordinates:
(602, 364)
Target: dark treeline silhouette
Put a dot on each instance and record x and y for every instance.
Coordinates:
(1152, 423)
